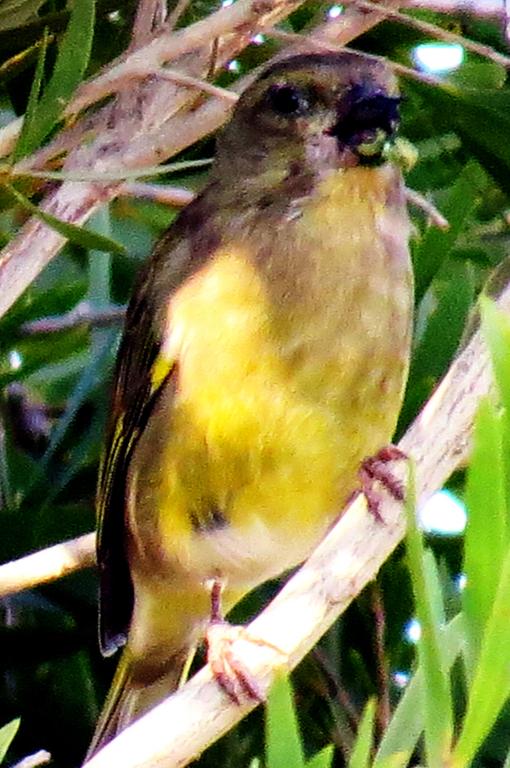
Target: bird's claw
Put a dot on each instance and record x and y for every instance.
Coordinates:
(378, 469)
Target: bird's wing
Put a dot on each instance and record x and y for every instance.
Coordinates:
(141, 374)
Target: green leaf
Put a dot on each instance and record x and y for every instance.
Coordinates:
(283, 741)
(322, 759)
(76, 235)
(491, 682)
(7, 733)
(437, 694)
(360, 756)
(23, 144)
(451, 298)
(482, 120)
(436, 244)
(72, 60)
(478, 75)
(408, 721)
(496, 332)
(486, 532)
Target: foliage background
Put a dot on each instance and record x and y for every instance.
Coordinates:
(55, 386)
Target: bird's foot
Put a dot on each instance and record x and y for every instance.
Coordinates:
(378, 470)
(228, 669)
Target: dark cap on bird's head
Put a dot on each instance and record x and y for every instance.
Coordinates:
(328, 110)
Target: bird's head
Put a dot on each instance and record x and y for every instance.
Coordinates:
(319, 111)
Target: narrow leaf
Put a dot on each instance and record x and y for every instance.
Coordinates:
(437, 694)
(496, 332)
(283, 742)
(72, 60)
(485, 538)
(7, 733)
(75, 234)
(360, 756)
(23, 144)
(491, 682)
(408, 721)
(322, 759)
(457, 207)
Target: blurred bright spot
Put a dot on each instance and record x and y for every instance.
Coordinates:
(258, 39)
(226, 3)
(114, 16)
(461, 581)
(412, 631)
(401, 679)
(234, 66)
(335, 11)
(443, 513)
(15, 359)
(438, 57)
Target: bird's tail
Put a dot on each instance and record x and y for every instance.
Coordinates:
(132, 694)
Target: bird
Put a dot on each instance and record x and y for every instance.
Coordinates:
(263, 358)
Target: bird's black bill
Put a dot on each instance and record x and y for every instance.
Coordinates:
(366, 122)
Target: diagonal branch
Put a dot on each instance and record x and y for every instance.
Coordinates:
(47, 565)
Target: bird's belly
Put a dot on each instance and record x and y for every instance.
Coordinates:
(244, 494)
(252, 453)
(246, 555)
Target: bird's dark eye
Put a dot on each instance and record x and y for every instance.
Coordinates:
(287, 100)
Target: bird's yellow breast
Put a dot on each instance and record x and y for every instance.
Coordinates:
(290, 347)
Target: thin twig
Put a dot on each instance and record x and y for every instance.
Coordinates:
(433, 30)
(32, 761)
(434, 216)
(321, 41)
(48, 564)
(174, 196)
(482, 8)
(382, 675)
(245, 14)
(83, 315)
(150, 16)
(342, 694)
(176, 13)
(195, 82)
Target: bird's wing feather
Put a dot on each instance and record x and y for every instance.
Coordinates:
(141, 374)
(135, 392)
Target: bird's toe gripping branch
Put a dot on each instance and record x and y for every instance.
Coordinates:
(376, 473)
(228, 668)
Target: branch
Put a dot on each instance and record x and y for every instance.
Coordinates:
(47, 565)
(180, 728)
(438, 33)
(83, 315)
(494, 8)
(38, 758)
(177, 197)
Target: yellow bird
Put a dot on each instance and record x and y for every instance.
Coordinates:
(264, 356)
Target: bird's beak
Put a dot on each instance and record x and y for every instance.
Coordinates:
(366, 123)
